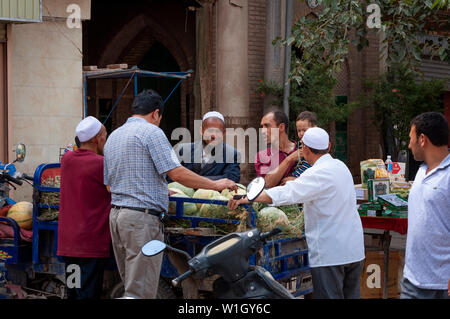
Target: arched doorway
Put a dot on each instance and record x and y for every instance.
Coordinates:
(152, 35)
(158, 58)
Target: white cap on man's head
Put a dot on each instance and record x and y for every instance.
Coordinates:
(213, 114)
(88, 128)
(316, 138)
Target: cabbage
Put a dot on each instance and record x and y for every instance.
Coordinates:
(186, 190)
(189, 209)
(205, 194)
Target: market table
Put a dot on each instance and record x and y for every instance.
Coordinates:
(399, 225)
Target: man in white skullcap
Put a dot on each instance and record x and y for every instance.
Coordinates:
(333, 228)
(83, 225)
(211, 157)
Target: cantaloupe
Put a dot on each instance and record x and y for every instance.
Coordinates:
(204, 194)
(22, 213)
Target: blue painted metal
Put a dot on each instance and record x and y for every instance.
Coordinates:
(282, 266)
(46, 231)
(119, 97)
(176, 86)
(135, 73)
(9, 168)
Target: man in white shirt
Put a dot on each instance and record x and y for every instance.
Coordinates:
(427, 260)
(333, 227)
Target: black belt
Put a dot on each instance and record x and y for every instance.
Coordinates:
(144, 210)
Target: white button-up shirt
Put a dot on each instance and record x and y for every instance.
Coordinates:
(427, 257)
(333, 228)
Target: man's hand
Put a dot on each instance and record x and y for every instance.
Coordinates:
(234, 203)
(287, 179)
(223, 183)
(294, 156)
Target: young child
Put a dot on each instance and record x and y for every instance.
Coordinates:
(305, 120)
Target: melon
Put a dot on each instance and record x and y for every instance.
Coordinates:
(204, 194)
(177, 191)
(189, 209)
(229, 194)
(271, 217)
(215, 211)
(186, 190)
(22, 213)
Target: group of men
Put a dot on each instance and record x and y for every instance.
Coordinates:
(114, 190)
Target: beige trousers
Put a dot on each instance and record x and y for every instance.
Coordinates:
(130, 230)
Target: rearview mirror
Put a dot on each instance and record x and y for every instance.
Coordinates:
(153, 248)
(20, 152)
(255, 188)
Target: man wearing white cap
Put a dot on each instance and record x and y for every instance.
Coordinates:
(83, 224)
(333, 227)
(211, 157)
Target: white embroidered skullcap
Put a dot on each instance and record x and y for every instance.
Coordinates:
(88, 128)
(213, 114)
(316, 138)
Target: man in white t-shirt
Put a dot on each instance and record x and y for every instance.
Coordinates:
(333, 227)
(427, 259)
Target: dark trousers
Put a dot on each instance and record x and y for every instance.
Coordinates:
(91, 277)
(337, 282)
(409, 291)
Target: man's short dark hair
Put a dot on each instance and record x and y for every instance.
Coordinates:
(280, 117)
(77, 141)
(433, 125)
(308, 116)
(317, 152)
(147, 102)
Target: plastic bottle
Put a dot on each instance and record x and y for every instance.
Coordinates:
(389, 164)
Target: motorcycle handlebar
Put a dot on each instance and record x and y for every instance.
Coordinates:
(12, 179)
(176, 281)
(25, 176)
(271, 233)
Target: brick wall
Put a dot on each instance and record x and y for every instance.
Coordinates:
(363, 137)
(256, 62)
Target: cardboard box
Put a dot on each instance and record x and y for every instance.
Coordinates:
(372, 276)
(361, 192)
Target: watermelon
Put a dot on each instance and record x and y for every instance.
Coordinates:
(186, 190)
(271, 217)
(215, 211)
(205, 194)
(22, 213)
(229, 194)
(189, 209)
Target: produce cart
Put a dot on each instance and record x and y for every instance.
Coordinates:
(285, 258)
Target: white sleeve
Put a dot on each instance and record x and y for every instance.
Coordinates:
(303, 189)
